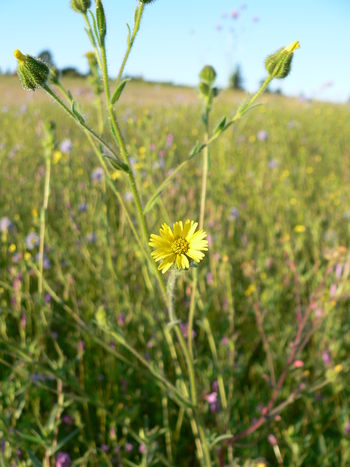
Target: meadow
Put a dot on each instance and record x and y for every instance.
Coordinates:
(90, 372)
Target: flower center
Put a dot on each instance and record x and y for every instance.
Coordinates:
(180, 246)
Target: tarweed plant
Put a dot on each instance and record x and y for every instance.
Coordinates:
(193, 387)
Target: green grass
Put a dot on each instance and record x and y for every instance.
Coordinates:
(299, 176)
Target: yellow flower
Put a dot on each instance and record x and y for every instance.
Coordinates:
(299, 228)
(12, 248)
(180, 246)
(291, 47)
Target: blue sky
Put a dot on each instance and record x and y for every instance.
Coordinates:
(178, 37)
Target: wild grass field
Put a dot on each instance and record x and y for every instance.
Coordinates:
(81, 364)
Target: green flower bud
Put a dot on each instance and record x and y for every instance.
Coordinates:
(278, 65)
(32, 72)
(91, 60)
(208, 75)
(101, 20)
(55, 74)
(81, 6)
(147, 1)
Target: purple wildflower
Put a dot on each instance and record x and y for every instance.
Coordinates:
(97, 175)
(273, 163)
(215, 386)
(347, 429)
(68, 419)
(326, 357)
(5, 224)
(128, 196)
(47, 298)
(234, 213)
(82, 207)
(211, 398)
(338, 270)
(63, 459)
(46, 261)
(142, 448)
(32, 240)
(169, 140)
(128, 447)
(332, 290)
(224, 341)
(272, 440)
(262, 135)
(120, 319)
(104, 447)
(66, 146)
(184, 328)
(209, 278)
(91, 237)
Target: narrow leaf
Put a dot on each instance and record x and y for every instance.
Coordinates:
(250, 108)
(119, 90)
(76, 113)
(154, 198)
(95, 27)
(35, 461)
(244, 103)
(135, 14)
(90, 36)
(220, 126)
(116, 163)
(195, 150)
(129, 35)
(64, 441)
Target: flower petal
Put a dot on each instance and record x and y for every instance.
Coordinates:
(178, 229)
(166, 263)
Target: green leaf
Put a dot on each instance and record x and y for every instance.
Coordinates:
(76, 113)
(95, 27)
(135, 14)
(250, 108)
(119, 90)
(204, 90)
(33, 439)
(195, 150)
(90, 36)
(244, 104)
(35, 461)
(155, 196)
(220, 438)
(61, 443)
(3, 462)
(117, 164)
(129, 35)
(220, 126)
(50, 423)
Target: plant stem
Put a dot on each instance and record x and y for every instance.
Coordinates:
(131, 42)
(132, 181)
(82, 124)
(201, 222)
(189, 364)
(42, 222)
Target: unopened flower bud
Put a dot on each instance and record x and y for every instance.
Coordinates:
(278, 65)
(32, 72)
(147, 1)
(92, 60)
(208, 75)
(101, 20)
(81, 6)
